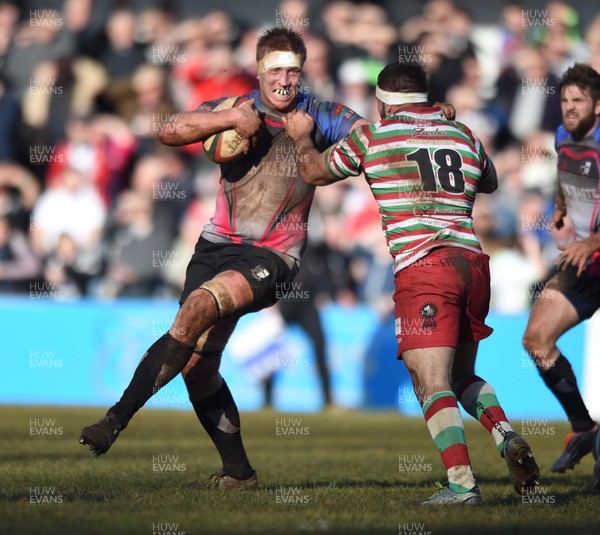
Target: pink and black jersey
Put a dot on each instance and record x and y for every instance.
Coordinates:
(579, 179)
(262, 200)
(423, 171)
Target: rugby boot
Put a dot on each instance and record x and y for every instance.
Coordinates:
(219, 480)
(523, 469)
(446, 496)
(577, 446)
(101, 435)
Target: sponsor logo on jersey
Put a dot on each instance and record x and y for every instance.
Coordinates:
(585, 168)
(425, 132)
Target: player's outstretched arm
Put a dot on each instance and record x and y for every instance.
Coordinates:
(193, 126)
(311, 163)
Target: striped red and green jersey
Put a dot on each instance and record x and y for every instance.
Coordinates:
(423, 171)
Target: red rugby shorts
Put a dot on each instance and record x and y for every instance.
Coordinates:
(442, 300)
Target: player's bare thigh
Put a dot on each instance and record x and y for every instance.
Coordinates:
(551, 315)
(239, 289)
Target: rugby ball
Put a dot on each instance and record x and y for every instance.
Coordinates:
(228, 145)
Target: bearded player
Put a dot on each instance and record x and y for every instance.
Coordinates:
(424, 172)
(573, 294)
(242, 254)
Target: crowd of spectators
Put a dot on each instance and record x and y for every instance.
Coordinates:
(91, 204)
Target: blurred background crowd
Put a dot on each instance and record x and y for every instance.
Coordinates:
(91, 204)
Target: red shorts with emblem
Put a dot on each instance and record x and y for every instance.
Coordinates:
(442, 300)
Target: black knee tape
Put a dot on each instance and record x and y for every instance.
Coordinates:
(211, 355)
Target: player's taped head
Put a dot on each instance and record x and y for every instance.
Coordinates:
(396, 99)
(280, 40)
(399, 84)
(276, 59)
(222, 297)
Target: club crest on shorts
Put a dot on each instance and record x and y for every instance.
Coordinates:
(428, 313)
(259, 272)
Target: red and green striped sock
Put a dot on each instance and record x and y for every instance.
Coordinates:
(479, 399)
(446, 427)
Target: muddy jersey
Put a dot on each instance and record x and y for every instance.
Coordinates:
(262, 200)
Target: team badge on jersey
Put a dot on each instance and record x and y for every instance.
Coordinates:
(428, 313)
(259, 272)
(585, 168)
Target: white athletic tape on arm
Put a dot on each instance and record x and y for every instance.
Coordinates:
(274, 60)
(395, 99)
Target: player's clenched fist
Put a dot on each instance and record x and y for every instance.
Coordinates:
(248, 123)
(298, 124)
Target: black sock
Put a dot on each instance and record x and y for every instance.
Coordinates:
(561, 380)
(219, 415)
(269, 390)
(163, 361)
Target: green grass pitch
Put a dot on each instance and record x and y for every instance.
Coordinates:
(346, 473)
